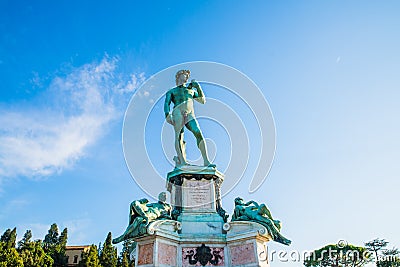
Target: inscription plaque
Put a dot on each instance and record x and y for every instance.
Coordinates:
(198, 195)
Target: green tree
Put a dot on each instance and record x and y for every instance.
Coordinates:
(124, 259)
(90, 258)
(9, 237)
(127, 249)
(108, 254)
(32, 252)
(6, 235)
(390, 258)
(51, 239)
(376, 245)
(335, 256)
(61, 259)
(25, 241)
(55, 245)
(9, 256)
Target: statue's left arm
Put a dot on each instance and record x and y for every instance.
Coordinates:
(199, 95)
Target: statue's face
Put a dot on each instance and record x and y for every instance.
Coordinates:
(182, 78)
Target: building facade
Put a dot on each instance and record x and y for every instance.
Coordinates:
(74, 254)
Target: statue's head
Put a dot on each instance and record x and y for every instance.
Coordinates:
(238, 201)
(182, 77)
(162, 197)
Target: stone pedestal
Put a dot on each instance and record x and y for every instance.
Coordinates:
(199, 235)
(196, 195)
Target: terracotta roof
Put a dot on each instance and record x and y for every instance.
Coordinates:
(77, 247)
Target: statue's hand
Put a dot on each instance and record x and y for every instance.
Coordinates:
(195, 84)
(169, 119)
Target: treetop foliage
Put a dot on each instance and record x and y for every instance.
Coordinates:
(336, 255)
(51, 251)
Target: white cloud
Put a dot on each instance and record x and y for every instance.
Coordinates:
(73, 114)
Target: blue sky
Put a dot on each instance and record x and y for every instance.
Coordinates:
(328, 69)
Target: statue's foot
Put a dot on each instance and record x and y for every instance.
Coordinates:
(286, 242)
(281, 239)
(118, 239)
(208, 164)
(180, 165)
(179, 162)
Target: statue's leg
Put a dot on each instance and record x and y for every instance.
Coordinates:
(264, 210)
(193, 126)
(118, 239)
(182, 144)
(125, 235)
(178, 127)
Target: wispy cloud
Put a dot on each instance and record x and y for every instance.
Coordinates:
(74, 112)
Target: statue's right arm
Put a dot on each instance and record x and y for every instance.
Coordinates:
(168, 100)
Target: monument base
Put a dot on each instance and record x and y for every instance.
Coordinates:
(243, 244)
(199, 235)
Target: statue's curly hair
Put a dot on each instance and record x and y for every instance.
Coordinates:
(187, 72)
